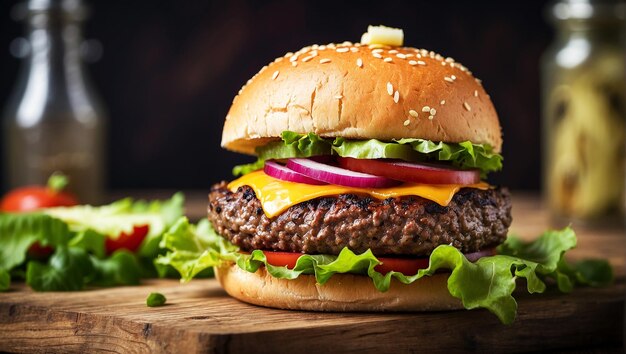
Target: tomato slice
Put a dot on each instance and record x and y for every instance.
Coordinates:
(411, 172)
(37, 251)
(130, 242)
(406, 266)
(282, 259)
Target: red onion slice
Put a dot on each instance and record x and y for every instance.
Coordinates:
(337, 175)
(283, 173)
(473, 257)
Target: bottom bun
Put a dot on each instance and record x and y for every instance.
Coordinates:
(342, 292)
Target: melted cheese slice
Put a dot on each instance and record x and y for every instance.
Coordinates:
(277, 195)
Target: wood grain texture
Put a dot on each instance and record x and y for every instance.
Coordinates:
(201, 318)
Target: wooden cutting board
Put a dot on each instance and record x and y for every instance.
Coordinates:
(201, 318)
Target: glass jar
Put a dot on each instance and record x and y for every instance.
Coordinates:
(584, 114)
(54, 121)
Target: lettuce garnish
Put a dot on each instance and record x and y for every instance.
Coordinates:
(77, 235)
(462, 155)
(488, 283)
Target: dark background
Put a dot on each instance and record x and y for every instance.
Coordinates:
(171, 68)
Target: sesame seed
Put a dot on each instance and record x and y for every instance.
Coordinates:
(278, 59)
(359, 62)
(418, 56)
(288, 54)
(322, 47)
(412, 62)
(377, 55)
(453, 77)
(442, 102)
(338, 97)
(342, 50)
(293, 58)
(307, 58)
(377, 51)
(475, 93)
(294, 63)
(401, 56)
(389, 88)
(467, 106)
(387, 60)
(324, 61)
(393, 51)
(407, 122)
(347, 43)
(443, 63)
(431, 117)
(448, 79)
(433, 111)
(425, 109)
(413, 113)
(409, 55)
(449, 60)
(396, 97)
(354, 49)
(275, 75)
(419, 62)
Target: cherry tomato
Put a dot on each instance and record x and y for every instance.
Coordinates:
(31, 198)
(411, 172)
(130, 242)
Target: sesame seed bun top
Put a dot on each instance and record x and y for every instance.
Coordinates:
(362, 92)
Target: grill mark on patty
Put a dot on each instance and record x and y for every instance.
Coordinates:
(474, 220)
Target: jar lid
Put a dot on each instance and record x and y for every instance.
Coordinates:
(589, 10)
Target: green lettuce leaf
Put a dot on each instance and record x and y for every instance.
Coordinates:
(240, 170)
(120, 217)
(69, 269)
(198, 248)
(5, 280)
(121, 268)
(464, 154)
(488, 283)
(78, 236)
(19, 231)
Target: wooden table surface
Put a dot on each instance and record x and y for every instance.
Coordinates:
(201, 318)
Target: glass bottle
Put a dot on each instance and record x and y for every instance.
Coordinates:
(584, 114)
(54, 121)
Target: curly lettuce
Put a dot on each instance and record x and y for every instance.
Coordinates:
(487, 283)
(77, 236)
(463, 155)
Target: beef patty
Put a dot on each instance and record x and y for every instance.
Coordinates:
(474, 220)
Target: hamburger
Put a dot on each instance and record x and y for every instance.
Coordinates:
(369, 190)
(346, 108)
